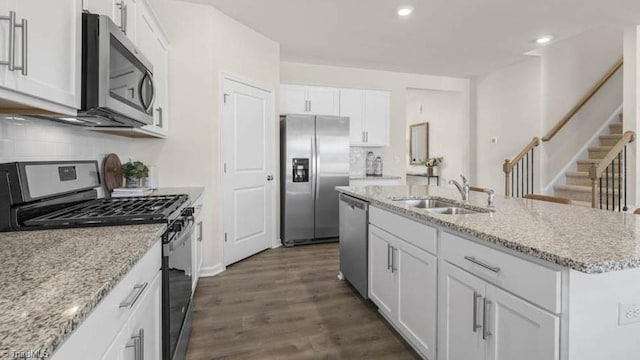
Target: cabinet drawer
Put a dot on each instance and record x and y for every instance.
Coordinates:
(420, 235)
(93, 337)
(535, 283)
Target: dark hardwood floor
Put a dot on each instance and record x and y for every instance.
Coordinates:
(288, 304)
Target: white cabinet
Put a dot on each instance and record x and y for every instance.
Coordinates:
(480, 321)
(47, 37)
(368, 111)
(134, 304)
(382, 273)
(459, 310)
(402, 282)
(317, 100)
(520, 330)
(376, 117)
(151, 41)
(121, 12)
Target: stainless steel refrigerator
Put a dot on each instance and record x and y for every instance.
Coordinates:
(314, 159)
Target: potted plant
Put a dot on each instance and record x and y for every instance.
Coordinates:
(430, 163)
(135, 173)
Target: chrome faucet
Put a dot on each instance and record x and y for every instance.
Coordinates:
(492, 196)
(464, 188)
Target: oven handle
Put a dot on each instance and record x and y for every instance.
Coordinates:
(181, 237)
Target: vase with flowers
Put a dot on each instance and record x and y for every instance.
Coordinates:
(431, 163)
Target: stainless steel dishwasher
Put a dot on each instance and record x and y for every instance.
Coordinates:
(354, 242)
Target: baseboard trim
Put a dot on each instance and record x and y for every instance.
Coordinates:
(279, 244)
(212, 270)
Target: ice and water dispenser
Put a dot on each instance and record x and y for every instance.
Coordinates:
(300, 170)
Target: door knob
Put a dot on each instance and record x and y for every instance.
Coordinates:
(270, 178)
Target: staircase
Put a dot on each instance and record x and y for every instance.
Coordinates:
(578, 183)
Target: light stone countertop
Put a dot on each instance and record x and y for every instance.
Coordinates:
(579, 238)
(51, 280)
(369, 177)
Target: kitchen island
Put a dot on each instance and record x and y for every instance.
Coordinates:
(523, 280)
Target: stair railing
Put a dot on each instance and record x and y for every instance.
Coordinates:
(585, 99)
(519, 172)
(609, 177)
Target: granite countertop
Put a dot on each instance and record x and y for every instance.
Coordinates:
(368, 177)
(579, 238)
(51, 280)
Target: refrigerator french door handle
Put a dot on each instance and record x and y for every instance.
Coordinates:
(316, 155)
(313, 166)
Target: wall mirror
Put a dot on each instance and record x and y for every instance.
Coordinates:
(418, 143)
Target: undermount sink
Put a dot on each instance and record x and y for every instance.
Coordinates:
(425, 203)
(436, 206)
(452, 211)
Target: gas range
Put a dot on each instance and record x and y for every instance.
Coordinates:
(62, 194)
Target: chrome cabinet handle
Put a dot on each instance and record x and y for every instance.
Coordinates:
(12, 40)
(200, 231)
(486, 305)
(366, 136)
(363, 136)
(393, 259)
(495, 269)
(138, 345)
(138, 289)
(25, 47)
(389, 265)
(309, 105)
(123, 16)
(476, 326)
(160, 116)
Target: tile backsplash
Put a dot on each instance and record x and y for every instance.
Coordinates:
(358, 160)
(28, 139)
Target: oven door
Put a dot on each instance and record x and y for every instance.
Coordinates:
(126, 85)
(177, 281)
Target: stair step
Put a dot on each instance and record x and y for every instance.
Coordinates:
(585, 165)
(609, 140)
(599, 152)
(615, 128)
(581, 178)
(575, 192)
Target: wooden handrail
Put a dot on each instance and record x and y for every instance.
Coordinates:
(508, 165)
(596, 170)
(582, 101)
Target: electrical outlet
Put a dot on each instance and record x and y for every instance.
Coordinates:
(629, 313)
(494, 140)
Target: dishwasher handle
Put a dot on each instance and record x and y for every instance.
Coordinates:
(354, 203)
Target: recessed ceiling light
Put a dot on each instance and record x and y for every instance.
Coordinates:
(543, 39)
(405, 10)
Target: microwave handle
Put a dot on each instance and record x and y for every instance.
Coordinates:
(147, 107)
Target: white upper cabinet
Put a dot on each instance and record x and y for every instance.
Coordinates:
(352, 106)
(293, 99)
(376, 116)
(155, 48)
(317, 100)
(122, 12)
(369, 114)
(323, 100)
(46, 48)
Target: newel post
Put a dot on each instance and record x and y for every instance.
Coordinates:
(507, 170)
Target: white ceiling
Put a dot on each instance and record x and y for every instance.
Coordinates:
(441, 37)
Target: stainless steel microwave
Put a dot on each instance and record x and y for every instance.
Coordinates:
(117, 80)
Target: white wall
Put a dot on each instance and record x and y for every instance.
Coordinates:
(569, 69)
(395, 157)
(536, 94)
(26, 139)
(632, 106)
(204, 43)
(448, 122)
(508, 107)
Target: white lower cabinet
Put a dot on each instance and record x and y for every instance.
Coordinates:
(520, 330)
(479, 321)
(196, 244)
(127, 321)
(403, 285)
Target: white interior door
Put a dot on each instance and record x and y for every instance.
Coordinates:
(248, 177)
